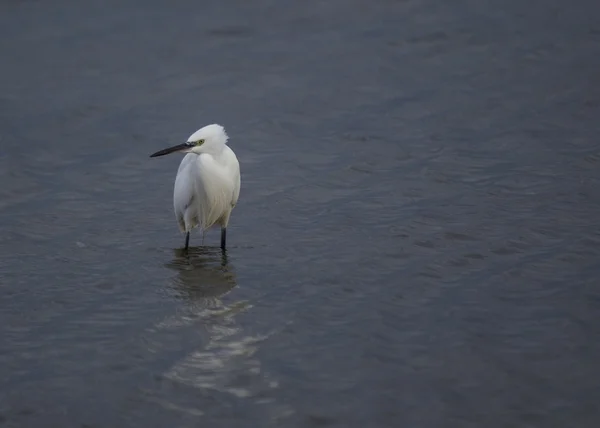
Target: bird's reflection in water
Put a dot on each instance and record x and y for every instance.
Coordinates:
(226, 360)
(204, 275)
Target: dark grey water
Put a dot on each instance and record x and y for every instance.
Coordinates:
(416, 244)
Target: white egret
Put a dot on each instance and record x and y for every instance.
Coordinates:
(207, 185)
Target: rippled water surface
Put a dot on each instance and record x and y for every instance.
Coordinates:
(416, 243)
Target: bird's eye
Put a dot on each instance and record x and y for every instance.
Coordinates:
(200, 142)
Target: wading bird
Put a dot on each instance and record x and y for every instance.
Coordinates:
(207, 185)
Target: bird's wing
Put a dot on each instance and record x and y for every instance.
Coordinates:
(236, 187)
(234, 169)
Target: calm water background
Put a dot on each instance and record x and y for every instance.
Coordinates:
(416, 244)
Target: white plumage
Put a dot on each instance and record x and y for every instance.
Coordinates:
(207, 186)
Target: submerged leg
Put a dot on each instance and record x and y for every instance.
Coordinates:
(187, 240)
(223, 237)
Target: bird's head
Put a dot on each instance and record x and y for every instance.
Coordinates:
(209, 139)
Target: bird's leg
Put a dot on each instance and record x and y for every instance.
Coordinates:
(203, 233)
(223, 237)
(224, 260)
(187, 240)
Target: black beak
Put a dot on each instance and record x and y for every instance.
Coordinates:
(177, 148)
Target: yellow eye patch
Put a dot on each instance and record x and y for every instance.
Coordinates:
(199, 142)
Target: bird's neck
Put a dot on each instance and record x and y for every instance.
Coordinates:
(215, 151)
